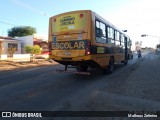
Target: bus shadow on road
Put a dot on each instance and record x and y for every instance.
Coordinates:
(94, 74)
(118, 66)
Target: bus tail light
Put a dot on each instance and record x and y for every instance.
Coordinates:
(54, 20)
(88, 47)
(50, 48)
(50, 53)
(81, 15)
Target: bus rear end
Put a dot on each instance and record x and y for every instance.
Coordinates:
(69, 38)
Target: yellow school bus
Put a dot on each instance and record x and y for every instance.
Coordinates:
(84, 39)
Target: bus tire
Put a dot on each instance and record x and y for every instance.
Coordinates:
(125, 62)
(129, 57)
(110, 67)
(82, 68)
(132, 57)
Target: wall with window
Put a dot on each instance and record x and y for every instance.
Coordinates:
(6, 43)
(12, 44)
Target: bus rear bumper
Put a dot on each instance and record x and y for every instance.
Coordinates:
(82, 58)
(85, 60)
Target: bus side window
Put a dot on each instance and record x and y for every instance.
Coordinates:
(98, 29)
(100, 32)
(117, 40)
(112, 36)
(97, 24)
(110, 33)
(103, 28)
(129, 42)
(122, 40)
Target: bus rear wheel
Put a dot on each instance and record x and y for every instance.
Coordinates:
(125, 62)
(110, 67)
(82, 68)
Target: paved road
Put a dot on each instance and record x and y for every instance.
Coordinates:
(131, 87)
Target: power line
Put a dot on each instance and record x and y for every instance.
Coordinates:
(11, 24)
(7, 23)
(27, 7)
(30, 8)
(8, 19)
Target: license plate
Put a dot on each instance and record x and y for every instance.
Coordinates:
(66, 53)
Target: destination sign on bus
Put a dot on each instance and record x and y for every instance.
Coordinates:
(69, 22)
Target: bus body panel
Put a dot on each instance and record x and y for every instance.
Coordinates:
(68, 33)
(71, 33)
(76, 21)
(118, 52)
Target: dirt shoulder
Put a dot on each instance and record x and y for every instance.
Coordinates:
(9, 65)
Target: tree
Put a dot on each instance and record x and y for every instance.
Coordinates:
(33, 49)
(21, 31)
(11, 51)
(36, 49)
(29, 49)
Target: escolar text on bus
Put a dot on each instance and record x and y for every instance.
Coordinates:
(69, 45)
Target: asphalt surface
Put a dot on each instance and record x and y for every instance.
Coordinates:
(132, 87)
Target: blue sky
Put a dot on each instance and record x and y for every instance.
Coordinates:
(36, 13)
(137, 16)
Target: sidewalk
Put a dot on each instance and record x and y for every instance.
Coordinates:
(10, 65)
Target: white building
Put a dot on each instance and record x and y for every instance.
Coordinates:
(20, 42)
(8, 42)
(25, 41)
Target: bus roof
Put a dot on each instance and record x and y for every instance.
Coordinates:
(71, 12)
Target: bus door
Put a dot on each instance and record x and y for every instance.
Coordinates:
(126, 48)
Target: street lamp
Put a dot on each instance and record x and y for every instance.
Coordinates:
(144, 35)
(124, 30)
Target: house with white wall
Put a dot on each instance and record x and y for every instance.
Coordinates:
(25, 41)
(8, 42)
(20, 42)
(32, 40)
